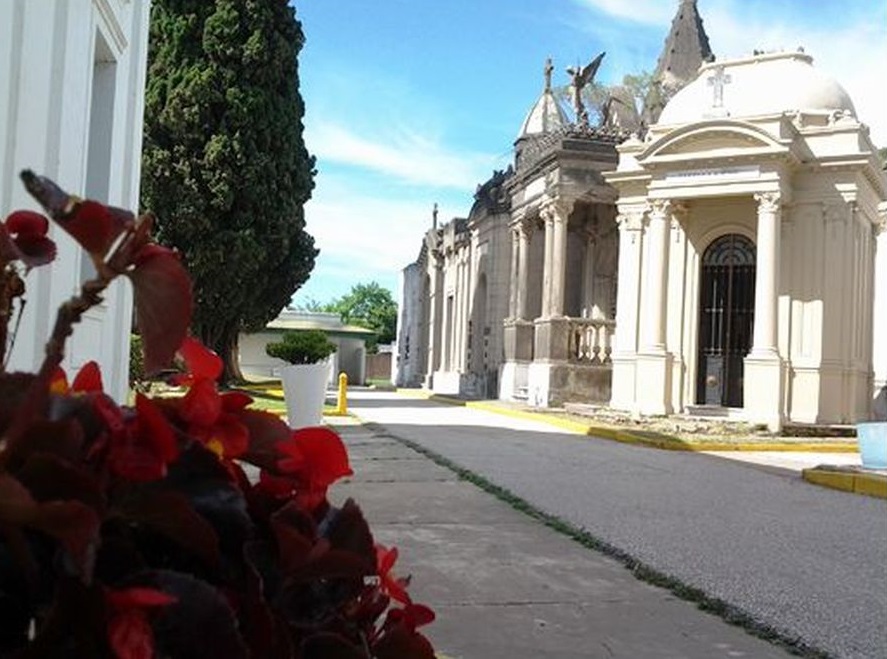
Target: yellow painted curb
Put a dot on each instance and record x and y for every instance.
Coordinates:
(873, 485)
(642, 438)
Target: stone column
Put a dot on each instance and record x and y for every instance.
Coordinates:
(558, 260)
(656, 284)
(513, 272)
(879, 316)
(588, 276)
(435, 313)
(525, 230)
(763, 397)
(653, 361)
(548, 221)
(767, 275)
(631, 230)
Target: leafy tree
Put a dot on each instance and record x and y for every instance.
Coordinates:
(371, 306)
(225, 168)
(596, 96)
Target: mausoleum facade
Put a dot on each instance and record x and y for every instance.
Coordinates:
(727, 258)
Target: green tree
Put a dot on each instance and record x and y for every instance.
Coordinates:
(225, 167)
(596, 95)
(371, 306)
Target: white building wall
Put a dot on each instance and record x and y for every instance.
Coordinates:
(63, 64)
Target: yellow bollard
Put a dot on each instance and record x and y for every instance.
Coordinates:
(342, 402)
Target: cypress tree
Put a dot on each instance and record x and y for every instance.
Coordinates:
(224, 167)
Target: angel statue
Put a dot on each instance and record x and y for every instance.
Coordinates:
(580, 77)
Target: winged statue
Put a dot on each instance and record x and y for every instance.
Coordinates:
(579, 78)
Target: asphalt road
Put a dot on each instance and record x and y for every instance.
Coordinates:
(806, 561)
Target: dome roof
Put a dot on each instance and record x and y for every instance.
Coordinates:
(545, 116)
(763, 84)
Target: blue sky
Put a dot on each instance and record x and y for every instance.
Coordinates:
(415, 102)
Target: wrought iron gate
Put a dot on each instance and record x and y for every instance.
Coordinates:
(726, 319)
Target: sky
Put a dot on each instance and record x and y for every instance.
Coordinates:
(415, 102)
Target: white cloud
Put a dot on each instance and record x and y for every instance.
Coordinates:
(403, 154)
(653, 12)
(854, 55)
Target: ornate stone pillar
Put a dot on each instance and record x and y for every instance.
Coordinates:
(763, 372)
(656, 283)
(654, 391)
(764, 342)
(558, 258)
(514, 271)
(435, 313)
(879, 315)
(548, 222)
(525, 230)
(631, 231)
(588, 276)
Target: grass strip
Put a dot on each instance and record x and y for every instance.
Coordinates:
(647, 573)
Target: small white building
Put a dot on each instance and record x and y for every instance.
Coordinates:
(72, 79)
(350, 340)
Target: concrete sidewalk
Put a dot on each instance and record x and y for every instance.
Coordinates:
(506, 586)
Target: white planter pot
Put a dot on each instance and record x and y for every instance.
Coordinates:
(304, 388)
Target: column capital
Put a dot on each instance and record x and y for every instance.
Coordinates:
(659, 209)
(769, 202)
(630, 220)
(881, 221)
(555, 209)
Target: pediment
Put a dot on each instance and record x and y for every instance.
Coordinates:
(704, 141)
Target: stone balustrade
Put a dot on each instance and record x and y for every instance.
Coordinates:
(590, 341)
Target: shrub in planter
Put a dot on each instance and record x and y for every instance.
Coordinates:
(302, 347)
(136, 532)
(305, 379)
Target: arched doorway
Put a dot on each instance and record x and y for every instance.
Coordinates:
(726, 319)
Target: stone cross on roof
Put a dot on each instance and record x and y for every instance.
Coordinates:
(549, 67)
(717, 82)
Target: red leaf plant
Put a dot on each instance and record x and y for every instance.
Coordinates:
(134, 531)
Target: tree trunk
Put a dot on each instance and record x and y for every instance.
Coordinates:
(223, 341)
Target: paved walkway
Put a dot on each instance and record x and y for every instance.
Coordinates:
(807, 561)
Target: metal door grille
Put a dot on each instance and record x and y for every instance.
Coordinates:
(726, 319)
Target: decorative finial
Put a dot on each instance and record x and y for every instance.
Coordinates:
(549, 67)
(434, 216)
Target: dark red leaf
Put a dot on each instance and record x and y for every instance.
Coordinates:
(163, 302)
(49, 477)
(88, 378)
(401, 642)
(171, 514)
(72, 523)
(266, 431)
(349, 531)
(155, 430)
(200, 361)
(199, 624)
